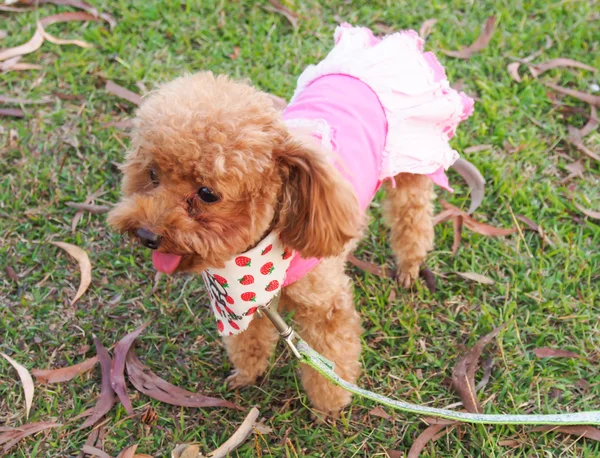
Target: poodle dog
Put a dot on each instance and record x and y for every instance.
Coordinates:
(215, 168)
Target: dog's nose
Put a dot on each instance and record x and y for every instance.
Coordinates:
(148, 239)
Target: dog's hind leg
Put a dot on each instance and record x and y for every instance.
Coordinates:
(327, 320)
(249, 352)
(408, 212)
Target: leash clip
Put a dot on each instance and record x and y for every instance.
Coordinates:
(286, 332)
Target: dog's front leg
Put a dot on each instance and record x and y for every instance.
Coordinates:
(327, 321)
(249, 352)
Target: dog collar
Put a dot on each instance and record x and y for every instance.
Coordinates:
(248, 281)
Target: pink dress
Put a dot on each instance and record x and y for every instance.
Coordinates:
(383, 107)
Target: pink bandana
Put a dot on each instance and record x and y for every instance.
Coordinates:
(247, 282)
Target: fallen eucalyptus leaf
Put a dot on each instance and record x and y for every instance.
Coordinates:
(482, 41)
(591, 213)
(463, 375)
(107, 395)
(290, 15)
(145, 381)
(584, 97)
(90, 450)
(426, 28)
(186, 451)
(379, 412)
(476, 277)
(476, 226)
(474, 179)
(370, 267)
(75, 4)
(123, 93)
(477, 148)
(238, 437)
(546, 352)
(26, 381)
(12, 436)
(12, 112)
(513, 71)
(117, 370)
(538, 69)
(424, 438)
(588, 432)
(84, 266)
(90, 208)
(458, 225)
(63, 374)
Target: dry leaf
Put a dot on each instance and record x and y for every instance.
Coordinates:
(394, 454)
(84, 266)
(482, 41)
(474, 179)
(509, 443)
(38, 38)
(20, 101)
(235, 54)
(186, 451)
(443, 216)
(383, 28)
(463, 375)
(13, 112)
(476, 277)
(76, 4)
(371, 268)
(9, 437)
(129, 452)
(575, 139)
(123, 93)
(11, 274)
(534, 227)
(26, 381)
(64, 374)
(592, 123)
(145, 381)
(477, 148)
(379, 412)
(588, 432)
(117, 370)
(107, 395)
(427, 275)
(537, 70)
(290, 15)
(238, 437)
(79, 213)
(426, 28)
(513, 71)
(3, 34)
(90, 208)
(487, 372)
(545, 352)
(476, 226)
(424, 438)
(584, 97)
(458, 225)
(591, 213)
(89, 450)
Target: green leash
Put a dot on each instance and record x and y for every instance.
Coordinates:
(323, 366)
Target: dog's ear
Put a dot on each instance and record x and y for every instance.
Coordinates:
(319, 211)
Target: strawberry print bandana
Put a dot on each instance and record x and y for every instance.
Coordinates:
(247, 282)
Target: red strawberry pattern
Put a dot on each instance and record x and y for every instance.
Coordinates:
(243, 261)
(267, 268)
(251, 311)
(246, 283)
(249, 297)
(221, 280)
(272, 286)
(246, 280)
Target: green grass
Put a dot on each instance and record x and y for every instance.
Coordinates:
(551, 298)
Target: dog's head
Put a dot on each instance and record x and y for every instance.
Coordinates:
(213, 169)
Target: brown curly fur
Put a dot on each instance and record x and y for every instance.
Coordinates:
(205, 130)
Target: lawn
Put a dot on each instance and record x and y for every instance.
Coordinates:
(546, 291)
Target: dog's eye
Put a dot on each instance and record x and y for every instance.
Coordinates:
(208, 195)
(154, 177)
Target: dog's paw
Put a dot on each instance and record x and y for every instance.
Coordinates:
(325, 417)
(407, 276)
(238, 380)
